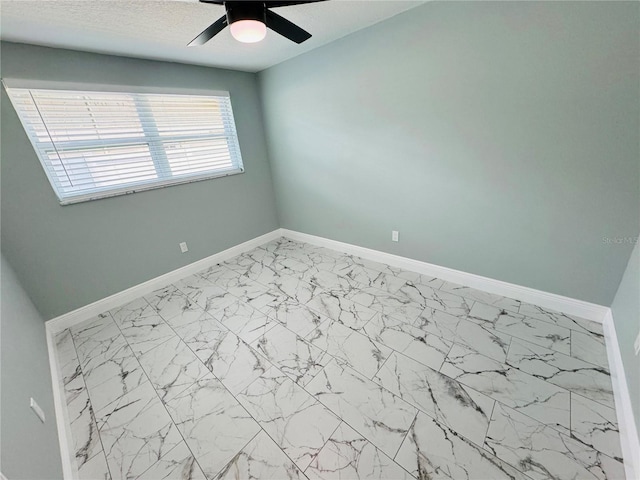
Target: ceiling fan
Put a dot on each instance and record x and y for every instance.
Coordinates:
(248, 21)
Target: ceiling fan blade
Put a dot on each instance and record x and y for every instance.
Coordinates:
(210, 32)
(269, 3)
(285, 28)
(283, 3)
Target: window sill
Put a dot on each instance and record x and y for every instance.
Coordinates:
(144, 186)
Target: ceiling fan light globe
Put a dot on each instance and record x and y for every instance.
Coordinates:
(248, 31)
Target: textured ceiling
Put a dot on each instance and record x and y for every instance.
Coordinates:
(161, 29)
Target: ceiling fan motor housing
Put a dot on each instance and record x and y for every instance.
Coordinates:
(245, 11)
(258, 14)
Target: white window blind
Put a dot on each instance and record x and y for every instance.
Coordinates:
(99, 144)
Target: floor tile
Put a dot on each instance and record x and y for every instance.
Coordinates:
(283, 244)
(369, 277)
(503, 303)
(480, 338)
(98, 336)
(188, 317)
(95, 468)
(291, 354)
(331, 282)
(561, 319)
(539, 399)
(432, 451)
(245, 261)
(171, 367)
(359, 351)
(595, 425)
(294, 288)
(136, 432)
(71, 378)
(535, 331)
(225, 278)
(300, 319)
(352, 369)
(225, 354)
(132, 312)
(325, 259)
(193, 283)
(380, 416)
(258, 296)
(125, 375)
(308, 256)
(342, 310)
(419, 278)
(297, 422)
(373, 265)
(265, 267)
(405, 338)
(396, 305)
(213, 273)
(590, 348)
(169, 302)
(147, 333)
(212, 297)
(348, 455)
(260, 459)
(178, 463)
(386, 282)
(141, 326)
(266, 273)
(84, 430)
(429, 297)
(564, 371)
(542, 452)
(451, 403)
(244, 320)
(290, 266)
(113, 370)
(213, 424)
(204, 293)
(86, 449)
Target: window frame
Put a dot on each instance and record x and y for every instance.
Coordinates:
(150, 142)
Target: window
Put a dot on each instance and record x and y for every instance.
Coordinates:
(100, 144)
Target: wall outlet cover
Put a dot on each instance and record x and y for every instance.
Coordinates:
(183, 247)
(37, 410)
(394, 235)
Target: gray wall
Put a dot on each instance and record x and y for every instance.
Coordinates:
(626, 316)
(67, 257)
(30, 448)
(499, 138)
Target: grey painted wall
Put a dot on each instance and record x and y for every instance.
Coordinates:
(499, 138)
(67, 257)
(626, 316)
(30, 448)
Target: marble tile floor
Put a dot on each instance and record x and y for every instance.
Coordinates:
(293, 361)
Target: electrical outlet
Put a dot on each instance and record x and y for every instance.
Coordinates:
(636, 345)
(394, 235)
(183, 247)
(36, 409)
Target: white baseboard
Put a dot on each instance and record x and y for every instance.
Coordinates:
(81, 314)
(628, 432)
(551, 301)
(571, 306)
(60, 407)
